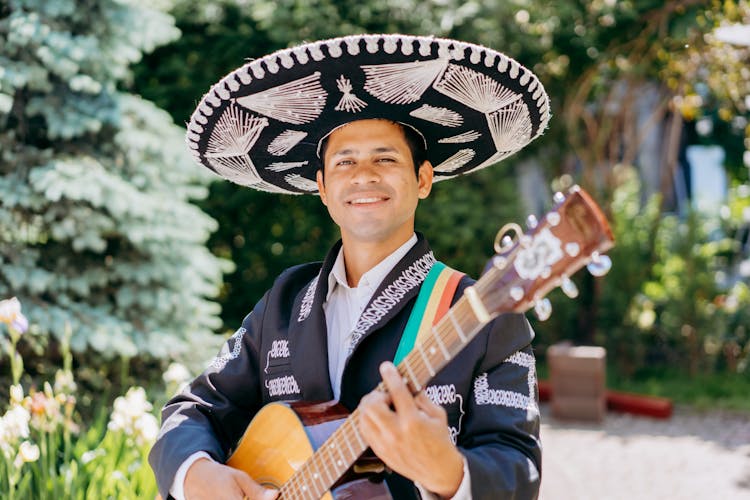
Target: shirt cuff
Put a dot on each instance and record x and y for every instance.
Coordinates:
(463, 492)
(178, 485)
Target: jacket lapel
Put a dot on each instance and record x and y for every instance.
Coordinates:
(308, 332)
(398, 287)
(308, 335)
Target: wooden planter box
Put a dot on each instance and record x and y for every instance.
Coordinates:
(578, 381)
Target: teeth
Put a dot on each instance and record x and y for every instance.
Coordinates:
(365, 200)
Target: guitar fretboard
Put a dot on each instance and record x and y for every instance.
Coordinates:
(345, 445)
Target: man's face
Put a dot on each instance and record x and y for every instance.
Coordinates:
(370, 186)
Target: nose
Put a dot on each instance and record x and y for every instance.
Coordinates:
(365, 172)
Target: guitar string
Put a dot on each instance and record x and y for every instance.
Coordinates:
(347, 431)
(297, 485)
(441, 333)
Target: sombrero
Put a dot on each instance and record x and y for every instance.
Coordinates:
(261, 125)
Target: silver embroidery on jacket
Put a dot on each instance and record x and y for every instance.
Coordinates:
(282, 386)
(279, 349)
(410, 278)
(307, 300)
(221, 361)
(483, 395)
(445, 395)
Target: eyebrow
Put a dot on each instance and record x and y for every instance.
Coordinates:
(349, 151)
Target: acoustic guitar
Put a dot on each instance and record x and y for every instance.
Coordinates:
(312, 451)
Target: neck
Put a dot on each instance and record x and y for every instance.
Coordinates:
(361, 256)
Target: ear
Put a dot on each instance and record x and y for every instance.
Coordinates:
(424, 179)
(321, 186)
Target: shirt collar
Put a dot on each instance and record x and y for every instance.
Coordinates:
(372, 278)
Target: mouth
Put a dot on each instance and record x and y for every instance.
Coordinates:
(367, 200)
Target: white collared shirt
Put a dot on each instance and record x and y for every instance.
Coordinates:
(344, 304)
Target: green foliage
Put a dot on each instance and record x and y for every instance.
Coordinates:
(692, 309)
(48, 450)
(714, 391)
(97, 229)
(681, 296)
(667, 301)
(600, 314)
(263, 234)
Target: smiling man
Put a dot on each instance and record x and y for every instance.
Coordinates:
(385, 116)
(371, 184)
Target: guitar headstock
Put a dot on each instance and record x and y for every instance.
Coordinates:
(573, 234)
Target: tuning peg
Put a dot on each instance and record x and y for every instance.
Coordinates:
(516, 293)
(569, 288)
(543, 309)
(531, 221)
(553, 218)
(558, 197)
(573, 249)
(599, 265)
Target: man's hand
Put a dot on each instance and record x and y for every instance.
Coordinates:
(412, 438)
(208, 479)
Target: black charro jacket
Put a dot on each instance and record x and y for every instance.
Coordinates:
(280, 353)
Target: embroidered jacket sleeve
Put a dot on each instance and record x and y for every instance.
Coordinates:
(501, 440)
(214, 411)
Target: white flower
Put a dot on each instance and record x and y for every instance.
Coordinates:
(176, 374)
(28, 452)
(9, 308)
(10, 314)
(5, 447)
(147, 428)
(45, 408)
(15, 424)
(16, 394)
(132, 416)
(64, 382)
(92, 454)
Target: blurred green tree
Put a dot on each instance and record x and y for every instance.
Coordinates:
(97, 229)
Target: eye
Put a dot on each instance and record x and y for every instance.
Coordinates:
(344, 163)
(386, 159)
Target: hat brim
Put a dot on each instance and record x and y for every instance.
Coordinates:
(261, 125)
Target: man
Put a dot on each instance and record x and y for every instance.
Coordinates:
(328, 330)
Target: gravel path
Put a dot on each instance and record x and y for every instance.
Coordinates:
(693, 455)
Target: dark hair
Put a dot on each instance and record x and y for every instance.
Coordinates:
(414, 140)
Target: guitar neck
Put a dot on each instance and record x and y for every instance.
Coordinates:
(446, 339)
(342, 449)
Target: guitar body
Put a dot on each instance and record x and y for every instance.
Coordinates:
(283, 436)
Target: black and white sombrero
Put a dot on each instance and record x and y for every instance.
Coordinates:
(260, 126)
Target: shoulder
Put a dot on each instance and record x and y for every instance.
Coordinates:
(301, 273)
(294, 280)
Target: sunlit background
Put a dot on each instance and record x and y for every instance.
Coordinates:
(131, 265)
